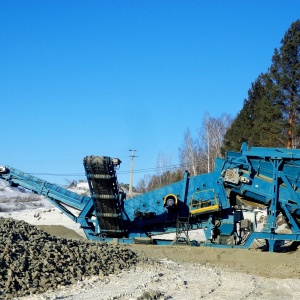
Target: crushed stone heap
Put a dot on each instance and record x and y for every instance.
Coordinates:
(32, 261)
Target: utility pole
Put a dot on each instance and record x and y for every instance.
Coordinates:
(131, 172)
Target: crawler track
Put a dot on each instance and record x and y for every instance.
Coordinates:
(101, 175)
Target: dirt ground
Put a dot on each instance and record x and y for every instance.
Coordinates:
(253, 261)
(184, 272)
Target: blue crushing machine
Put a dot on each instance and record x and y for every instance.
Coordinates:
(204, 210)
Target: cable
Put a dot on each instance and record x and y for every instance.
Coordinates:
(154, 169)
(52, 174)
(147, 170)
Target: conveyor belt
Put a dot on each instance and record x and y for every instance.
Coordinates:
(101, 175)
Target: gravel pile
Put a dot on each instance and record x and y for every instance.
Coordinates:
(32, 261)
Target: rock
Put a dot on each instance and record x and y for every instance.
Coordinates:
(32, 261)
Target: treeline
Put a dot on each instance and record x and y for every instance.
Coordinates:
(270, 117)
(152, 182)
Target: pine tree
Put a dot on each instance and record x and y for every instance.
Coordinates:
(285, 74)
(259, 121)
(270, 116)
(267, 117)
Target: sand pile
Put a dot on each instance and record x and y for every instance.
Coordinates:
(32, 261)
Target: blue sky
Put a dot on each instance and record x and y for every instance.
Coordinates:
(101, 77)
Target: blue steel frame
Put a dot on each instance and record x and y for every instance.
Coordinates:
(267, 176)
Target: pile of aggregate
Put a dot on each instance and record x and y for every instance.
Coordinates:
(32, 261)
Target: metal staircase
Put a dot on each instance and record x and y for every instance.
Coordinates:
(182, 230)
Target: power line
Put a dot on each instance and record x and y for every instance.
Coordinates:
(146, 170)
(56, 174)
(170, 167)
